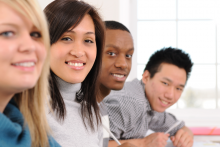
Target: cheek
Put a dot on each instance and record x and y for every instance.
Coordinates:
(177, 96)
(91, 54)
(7, 50)
(153, 87)
(129, 65)
(42, 53)
(107, 63)
(58, 52)
(158, 88)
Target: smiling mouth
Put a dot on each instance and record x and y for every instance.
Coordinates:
(75, 64)
(24, 64)
(164, 102)
(118, 75)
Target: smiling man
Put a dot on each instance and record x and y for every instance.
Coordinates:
(141, 105)
(116, 66)
(117, 57)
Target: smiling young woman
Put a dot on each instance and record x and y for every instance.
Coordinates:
(24, 66)
(77, 40)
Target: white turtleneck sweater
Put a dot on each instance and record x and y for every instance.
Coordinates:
(72, 132)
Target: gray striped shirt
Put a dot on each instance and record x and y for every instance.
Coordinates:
(130, 114)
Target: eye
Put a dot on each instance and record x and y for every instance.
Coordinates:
(7, 34)
(179, 89)
(128, 56)
(89, 41)
(66, 39)
(111, 54)
(165, 83)
(36, 34)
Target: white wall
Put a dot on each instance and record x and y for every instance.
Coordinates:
(109, 9)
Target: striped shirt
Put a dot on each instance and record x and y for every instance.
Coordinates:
(130, 114)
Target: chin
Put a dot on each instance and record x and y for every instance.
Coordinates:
(24, 86)
(159, 109)
(117, 87)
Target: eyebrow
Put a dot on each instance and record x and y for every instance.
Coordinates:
(17, 26)
(87, 33)
(181, 85)
(8, 24)
(113, 46)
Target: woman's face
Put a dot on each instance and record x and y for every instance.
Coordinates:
(22, 52)
(74, 54)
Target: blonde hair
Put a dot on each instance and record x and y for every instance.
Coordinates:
(32, 102)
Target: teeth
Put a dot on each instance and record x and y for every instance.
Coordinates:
(164, 102)
(25, 64)
(75, 64)
(119, 76)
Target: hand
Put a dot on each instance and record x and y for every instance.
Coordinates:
(155, 140)
(127, 145)
(182, 139)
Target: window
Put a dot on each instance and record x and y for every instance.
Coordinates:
(191, 25)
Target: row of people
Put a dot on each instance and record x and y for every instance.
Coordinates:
(86, 62)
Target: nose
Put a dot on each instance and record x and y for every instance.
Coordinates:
(27, 43)
(170, 93)
(121, 62)
(77, 50)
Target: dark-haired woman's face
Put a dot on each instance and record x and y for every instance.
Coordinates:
(74, 54)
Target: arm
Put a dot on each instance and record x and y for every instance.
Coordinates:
(163, 121)
(153, 140)
(124, 112)
(183, 137)
(136, 142)
(127, 145)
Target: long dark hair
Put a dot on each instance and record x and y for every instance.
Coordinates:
(63, 15)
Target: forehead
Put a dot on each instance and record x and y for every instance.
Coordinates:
(5, 9)
(174, 73)
(86, 24)
(119, 38)
(10, 16)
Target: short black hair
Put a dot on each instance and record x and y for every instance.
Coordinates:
(171, 56)
(114, 25)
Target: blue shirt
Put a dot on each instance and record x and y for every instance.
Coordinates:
(13, 133)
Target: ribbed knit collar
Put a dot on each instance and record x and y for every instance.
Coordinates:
(68, 90)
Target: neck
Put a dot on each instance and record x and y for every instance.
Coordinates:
(4, 100)
(67, 90)
(104, 91)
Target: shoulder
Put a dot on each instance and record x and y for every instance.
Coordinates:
(131, 94)
(53, 142)
(12, 122)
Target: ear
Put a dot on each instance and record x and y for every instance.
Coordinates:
(146, 77)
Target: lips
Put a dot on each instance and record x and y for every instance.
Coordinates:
(164, 103)
(118, 75)
(24, 64)
(76, 64)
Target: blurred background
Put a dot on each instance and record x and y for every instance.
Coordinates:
(191, 25)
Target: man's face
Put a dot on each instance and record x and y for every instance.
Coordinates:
(116, 60)
(166, 86)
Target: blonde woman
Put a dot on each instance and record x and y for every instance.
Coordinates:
(24, 43)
